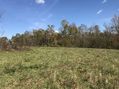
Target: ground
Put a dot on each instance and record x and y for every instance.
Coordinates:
(60, 68)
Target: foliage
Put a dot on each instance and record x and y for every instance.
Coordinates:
(69, 35)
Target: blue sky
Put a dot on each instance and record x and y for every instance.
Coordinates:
(22, 15)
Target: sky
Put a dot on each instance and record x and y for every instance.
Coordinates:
(19, 16)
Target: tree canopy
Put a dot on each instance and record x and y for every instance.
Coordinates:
(70, 35)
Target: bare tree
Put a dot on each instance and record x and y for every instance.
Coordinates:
(115, 23)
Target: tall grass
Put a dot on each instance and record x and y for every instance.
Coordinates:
(60, 68)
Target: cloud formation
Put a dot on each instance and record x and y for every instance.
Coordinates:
(104, 1)
(99, 12)
(42, 23)
(118, 9)
(40, 1)
(47, 18)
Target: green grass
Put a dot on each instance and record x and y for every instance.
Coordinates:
(60, 68)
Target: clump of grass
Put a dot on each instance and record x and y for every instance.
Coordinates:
(12, 68)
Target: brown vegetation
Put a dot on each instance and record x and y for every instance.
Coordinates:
(69, 35)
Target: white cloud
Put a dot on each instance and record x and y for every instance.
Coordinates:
(42, 23)
(107, 19)
(56, 31)
(40, 1)
(99, 12)
(104, 1)
(37, 25)
(118, 9)
(47, 18)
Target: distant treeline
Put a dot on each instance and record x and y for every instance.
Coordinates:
(69, 35)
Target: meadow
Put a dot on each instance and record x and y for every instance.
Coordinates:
(59, 68)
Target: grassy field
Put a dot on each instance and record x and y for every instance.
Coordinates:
(60, 68)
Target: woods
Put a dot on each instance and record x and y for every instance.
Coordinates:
(69, 35)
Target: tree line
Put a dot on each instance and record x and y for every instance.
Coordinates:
(69, 35)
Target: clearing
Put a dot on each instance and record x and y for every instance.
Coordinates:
(60, 68)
